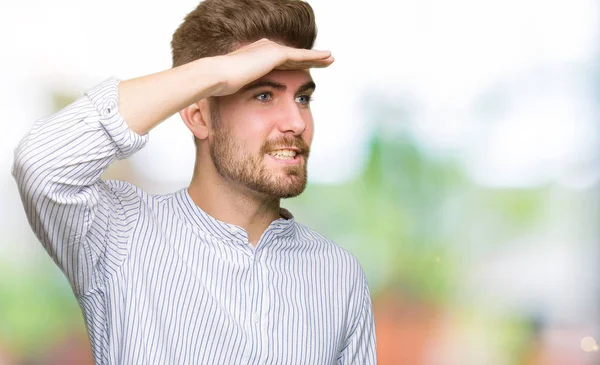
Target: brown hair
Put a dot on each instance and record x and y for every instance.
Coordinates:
(217, 27)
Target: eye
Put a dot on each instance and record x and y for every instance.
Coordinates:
(304, 99)
(263, 97)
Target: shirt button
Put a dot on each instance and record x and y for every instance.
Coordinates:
(109, 109)
(255, 317)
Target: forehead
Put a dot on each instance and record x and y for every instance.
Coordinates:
(291, 78)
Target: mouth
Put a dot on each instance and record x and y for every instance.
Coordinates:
(284, 153)
(288, 156)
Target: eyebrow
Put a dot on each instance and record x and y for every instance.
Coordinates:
(310, 85)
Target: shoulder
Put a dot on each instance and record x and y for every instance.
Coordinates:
(340, 258)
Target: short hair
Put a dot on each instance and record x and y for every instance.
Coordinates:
(218, 27)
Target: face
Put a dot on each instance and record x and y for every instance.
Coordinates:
(261, 134)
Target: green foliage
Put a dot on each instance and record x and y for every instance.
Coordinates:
(408, 217)
(37, 305)
(391, 218)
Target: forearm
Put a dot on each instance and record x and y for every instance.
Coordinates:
(146, 101)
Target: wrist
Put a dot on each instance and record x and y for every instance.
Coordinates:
(211, 76)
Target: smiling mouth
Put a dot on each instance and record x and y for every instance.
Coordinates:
(284, 154)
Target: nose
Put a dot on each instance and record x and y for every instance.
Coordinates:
(293, 119)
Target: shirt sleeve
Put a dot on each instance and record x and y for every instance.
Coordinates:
(82, 221)
(360, 347)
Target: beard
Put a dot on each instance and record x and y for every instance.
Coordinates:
(236, 164)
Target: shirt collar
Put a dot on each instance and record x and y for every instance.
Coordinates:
(194, 215)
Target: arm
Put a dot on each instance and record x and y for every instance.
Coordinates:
(83, 222)
(147, 101)
(57, 168)
(360, 346)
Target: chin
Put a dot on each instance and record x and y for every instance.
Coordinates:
(292, 194)
(283, 191)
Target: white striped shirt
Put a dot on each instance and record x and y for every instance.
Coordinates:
(160, 281)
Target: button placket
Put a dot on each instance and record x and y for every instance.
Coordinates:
(266, 302)
(254, 320)
(259, 284)
(249, 293)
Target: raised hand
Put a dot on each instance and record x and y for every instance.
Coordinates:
(255, 60)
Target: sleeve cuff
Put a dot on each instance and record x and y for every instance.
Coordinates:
(105, 98)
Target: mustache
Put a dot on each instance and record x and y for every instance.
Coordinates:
(286, 141)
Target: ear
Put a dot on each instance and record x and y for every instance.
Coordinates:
(197, 118)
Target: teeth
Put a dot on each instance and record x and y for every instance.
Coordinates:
(283, 154)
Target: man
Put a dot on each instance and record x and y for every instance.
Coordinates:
(216, 273)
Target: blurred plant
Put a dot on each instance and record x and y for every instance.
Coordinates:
(37, 306)
(410, 216)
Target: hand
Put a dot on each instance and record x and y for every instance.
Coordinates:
(257, 59)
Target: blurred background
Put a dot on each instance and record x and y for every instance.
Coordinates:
(457, 156)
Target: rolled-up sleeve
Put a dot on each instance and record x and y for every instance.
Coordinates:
(82, 221)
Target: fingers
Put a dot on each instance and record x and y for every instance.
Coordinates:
(297, 58)
(300, 65)
(318, 55)
(326, 62)
(298, 54)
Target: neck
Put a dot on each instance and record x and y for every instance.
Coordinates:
(232, 203)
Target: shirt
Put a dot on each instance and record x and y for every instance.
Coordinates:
(160, 281)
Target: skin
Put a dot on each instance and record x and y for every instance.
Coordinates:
(234, 180)
(275, 109)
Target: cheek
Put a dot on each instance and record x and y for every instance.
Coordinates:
(309, 132)
(256, 132)
(246, 126)
(252, 134)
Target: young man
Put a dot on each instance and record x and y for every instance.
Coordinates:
(216, 273)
